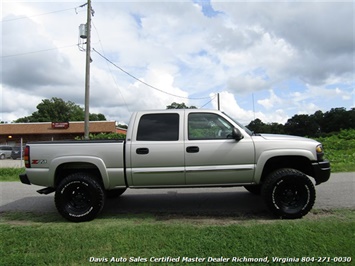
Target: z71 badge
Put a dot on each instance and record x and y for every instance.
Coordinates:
(42, 161)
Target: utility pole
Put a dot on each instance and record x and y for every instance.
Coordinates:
(87, 71)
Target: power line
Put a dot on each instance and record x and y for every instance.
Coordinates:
(42, 14)
(145, 83)
(214, 97)
(39, 51)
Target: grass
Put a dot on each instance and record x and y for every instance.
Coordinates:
(10, 174)
(340, 150)
(46, 239)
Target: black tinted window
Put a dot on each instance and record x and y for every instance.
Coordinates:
(158, 127)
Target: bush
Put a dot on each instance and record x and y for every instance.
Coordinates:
(104, 136)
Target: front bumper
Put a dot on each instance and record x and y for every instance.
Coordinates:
(321, 171)
(24, 179)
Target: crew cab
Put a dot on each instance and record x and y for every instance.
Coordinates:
(178, 149)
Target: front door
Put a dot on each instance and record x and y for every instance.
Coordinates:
(212, 156)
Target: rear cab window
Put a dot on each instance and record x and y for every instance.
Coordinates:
(158, 127)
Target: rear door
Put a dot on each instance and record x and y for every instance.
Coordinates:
(212, 156)
(157, 150)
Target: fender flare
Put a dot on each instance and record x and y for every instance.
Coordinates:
(269, 154)
(97, 162)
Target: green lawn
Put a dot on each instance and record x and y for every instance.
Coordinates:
(42, 239)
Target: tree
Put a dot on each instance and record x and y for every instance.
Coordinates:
(175, 105)
(57, 110)
(336, 119)
(302, 125)
(256, 126)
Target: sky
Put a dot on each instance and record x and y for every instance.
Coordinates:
(266, 59)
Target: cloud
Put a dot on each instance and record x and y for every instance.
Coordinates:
(272, 101)
(293, 56)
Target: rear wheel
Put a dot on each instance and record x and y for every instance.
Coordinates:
(289, 193)
(79, 197)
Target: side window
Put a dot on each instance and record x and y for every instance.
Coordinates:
(209, 126)
(158, 127)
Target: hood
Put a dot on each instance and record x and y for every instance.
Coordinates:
(285, 137)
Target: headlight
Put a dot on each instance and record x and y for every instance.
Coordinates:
(320, 152)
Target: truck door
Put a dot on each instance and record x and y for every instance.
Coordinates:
(157, 151)
(212, 156)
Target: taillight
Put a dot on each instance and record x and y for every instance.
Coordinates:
(26, 157)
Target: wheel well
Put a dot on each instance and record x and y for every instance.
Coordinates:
(300, 163)
(66, 169)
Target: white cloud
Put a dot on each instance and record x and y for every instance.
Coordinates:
(272, 101)
(184, 48)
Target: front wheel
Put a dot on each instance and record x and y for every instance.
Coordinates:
(79, 197)
(289, 193)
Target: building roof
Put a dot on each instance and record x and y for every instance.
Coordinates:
(46, 128)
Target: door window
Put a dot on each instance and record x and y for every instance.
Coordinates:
(208, 126)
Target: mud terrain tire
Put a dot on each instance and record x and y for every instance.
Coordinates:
(79, 197)
(288, 193)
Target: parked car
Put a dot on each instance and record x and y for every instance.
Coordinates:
(16, 152)
(5, 152)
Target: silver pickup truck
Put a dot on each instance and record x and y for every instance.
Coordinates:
(178, 149)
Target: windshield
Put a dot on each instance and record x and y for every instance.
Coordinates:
(239, 124)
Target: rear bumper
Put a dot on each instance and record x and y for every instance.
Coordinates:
(321, 171)
(24, 179)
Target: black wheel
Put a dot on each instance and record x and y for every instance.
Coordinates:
(79, 197)
(289, 193)
(115, 193)
(254, 189)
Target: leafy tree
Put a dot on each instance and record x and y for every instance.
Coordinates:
(259, 127)
(316, 125)
(336, 119)
(57, 110)
(175, 105)
(301, 125)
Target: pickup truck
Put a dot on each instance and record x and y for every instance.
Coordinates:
(178, 149)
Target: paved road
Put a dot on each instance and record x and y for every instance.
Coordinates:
(217, 202)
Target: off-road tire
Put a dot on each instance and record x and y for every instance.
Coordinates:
(79, 197)
(288, 193)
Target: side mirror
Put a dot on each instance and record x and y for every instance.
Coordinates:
(237, 135)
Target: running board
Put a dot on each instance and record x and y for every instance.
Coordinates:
(46, 190)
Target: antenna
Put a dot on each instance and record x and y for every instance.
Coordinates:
(253, 105)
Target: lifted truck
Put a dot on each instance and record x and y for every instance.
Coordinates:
(178, 149)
